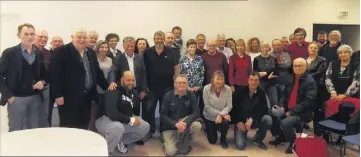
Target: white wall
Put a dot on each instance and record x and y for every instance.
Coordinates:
(266, 19)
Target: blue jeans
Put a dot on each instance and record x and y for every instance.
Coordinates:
(240, 136)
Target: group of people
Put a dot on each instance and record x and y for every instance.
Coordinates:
(199, 84)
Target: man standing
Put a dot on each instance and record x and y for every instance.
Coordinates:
(113, 40)
(299, 102)
(93, 39)
(74, 74)
(41, 39)
(130, 61)
(179, 112)
(162, 66)
(299, 48)
(329, 51)
(250, 111)
(178, 43)
(201, 42)
(169, 42)
(321, 38)
(55, 42)
(116, 120)
(285, 44)
(221, 39)
(22, 77)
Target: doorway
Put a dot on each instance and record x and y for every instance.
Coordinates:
(350, 34)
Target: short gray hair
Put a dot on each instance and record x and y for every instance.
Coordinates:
(335, 31)
(182, 76)
(345, 47)
(159, 33)
(93, 32)
(128, 38)
(221, 35)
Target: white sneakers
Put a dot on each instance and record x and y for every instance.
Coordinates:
(122, 148)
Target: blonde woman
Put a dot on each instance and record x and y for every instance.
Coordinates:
(217, 99)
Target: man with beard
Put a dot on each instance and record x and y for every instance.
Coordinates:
(162, 66)
(329, 51)
(321, 38)
(116, 120)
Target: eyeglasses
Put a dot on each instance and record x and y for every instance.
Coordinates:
(298, 66)
(182, 83)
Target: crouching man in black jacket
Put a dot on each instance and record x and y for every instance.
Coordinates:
(250, 111)
(178, 115)
(116, 117)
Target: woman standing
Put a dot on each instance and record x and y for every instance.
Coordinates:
(105, 63)
(253, 48)
(192, 66)
(316, 67)
(267, 66)
(140, 45)
(240, 66)
(217, 99)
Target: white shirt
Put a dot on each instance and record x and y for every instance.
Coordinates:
(131, 65)
(113, 51)
(226, 51)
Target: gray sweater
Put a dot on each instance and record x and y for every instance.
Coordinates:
(213, 105)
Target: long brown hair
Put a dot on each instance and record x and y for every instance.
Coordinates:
(218, 74)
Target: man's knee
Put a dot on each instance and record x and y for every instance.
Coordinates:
(287, 122)
(241, 145)
(145, 127)
(170, 149)
(196, 127)
(267, 119)
(116, 129)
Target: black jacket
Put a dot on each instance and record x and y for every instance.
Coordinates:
(67, 74)
(111, 56)
(118, 105)
(329, 53)
(306, 96)
(317, 69)
(270, 65)
(11, 69)
(175, 108)
(120, 64)
(244, 107)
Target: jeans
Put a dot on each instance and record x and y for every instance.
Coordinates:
(241, 136)
(211, 129)
(271, 90)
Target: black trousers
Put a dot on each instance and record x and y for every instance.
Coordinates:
(319, 114)
(211, 129)
(151, 104)
(75, 114)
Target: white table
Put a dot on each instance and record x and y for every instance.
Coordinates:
(52, 142)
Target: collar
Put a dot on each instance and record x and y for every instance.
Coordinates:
(128, 57)
(113, 50)
(23, 48)
(176, 93)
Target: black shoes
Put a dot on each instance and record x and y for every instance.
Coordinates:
(279, 140)
(260, 144)
(224, 144)
(289, 150)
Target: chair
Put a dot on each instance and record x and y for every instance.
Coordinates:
(331, 126)
(352, 139)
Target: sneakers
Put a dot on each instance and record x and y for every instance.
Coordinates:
(122, 148)
(260, 144)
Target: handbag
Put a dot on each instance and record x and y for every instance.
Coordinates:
(311, 146)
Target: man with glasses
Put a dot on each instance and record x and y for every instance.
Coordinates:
(299, 48)
(299, 102)
(178, 114)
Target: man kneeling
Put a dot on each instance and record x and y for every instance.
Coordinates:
(250, 111)
(178, 115)
(116, 118)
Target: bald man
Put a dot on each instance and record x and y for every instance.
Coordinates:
(213, 61)
(55, 42)
(116, 117)
(74, 74)
(299, 103)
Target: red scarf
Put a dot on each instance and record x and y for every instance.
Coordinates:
(292, 102)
